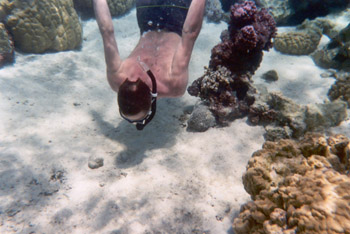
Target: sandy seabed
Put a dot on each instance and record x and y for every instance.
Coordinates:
(57, 111)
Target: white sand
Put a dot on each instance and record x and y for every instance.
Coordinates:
(57, 110)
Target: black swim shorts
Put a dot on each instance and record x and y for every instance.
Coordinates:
(166, 15)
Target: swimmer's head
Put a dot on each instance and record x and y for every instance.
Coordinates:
(134, 99)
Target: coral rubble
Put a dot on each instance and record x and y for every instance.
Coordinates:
(298, 187)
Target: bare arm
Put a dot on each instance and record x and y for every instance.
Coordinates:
(190, 32)
(105, 24)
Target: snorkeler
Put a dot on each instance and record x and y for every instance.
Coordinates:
(158, 66)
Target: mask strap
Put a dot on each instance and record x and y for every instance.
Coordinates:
(154, 109)
(153, 93)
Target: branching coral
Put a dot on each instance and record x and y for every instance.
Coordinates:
(298, 187)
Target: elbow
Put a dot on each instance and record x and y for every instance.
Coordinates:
(192, 30)
(107, 31)
(192, 34)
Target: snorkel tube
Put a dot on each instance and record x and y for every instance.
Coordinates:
(154, 94)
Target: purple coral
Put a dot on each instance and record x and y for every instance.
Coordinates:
(250, 32)
(243, 14)
(226, 86)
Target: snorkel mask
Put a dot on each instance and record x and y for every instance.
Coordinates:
(140, 124)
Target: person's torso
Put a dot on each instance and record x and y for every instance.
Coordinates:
(156, 50)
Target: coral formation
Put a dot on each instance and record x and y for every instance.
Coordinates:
(298, 187)
(213, 10)
(5, 9)
(38, 26)
(227, 90)
(320, 26)
(297, 42)
(306, 38)
(227, 95)
(116, 7)
(274, 108)
(312, 9)
(336, 54)
(231, 98)
(250, 32)
(119, 7)
(280, 10)
(293, 12)
(325, 58)
(6, 47)
(341, 88)
(275, 133)
(226, 85)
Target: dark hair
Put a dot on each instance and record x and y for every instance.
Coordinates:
(134, 97)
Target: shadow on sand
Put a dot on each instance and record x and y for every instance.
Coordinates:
(158, 134)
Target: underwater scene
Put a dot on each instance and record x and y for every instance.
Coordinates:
(175, 116)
